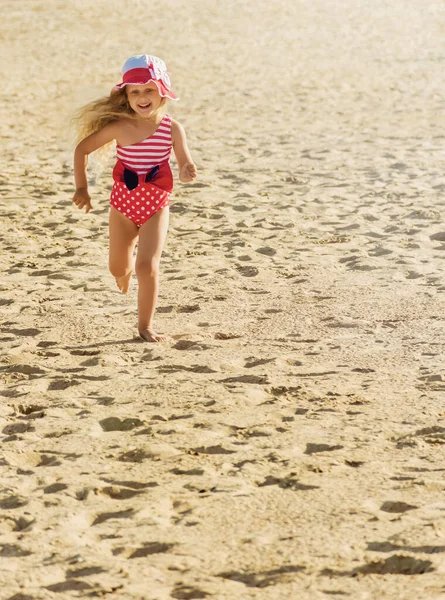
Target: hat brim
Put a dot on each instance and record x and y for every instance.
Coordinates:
(164, 92)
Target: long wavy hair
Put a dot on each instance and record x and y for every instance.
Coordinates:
(95, 115)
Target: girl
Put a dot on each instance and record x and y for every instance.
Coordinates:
(134, 115)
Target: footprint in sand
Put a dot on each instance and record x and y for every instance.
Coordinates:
(135, 456)
(59, 384)
(48, 461)
(83, 572)
(13, 501)
(85, 352)
(32, 411)
(116, 424)
(91, 362)
(244, 257)
(120, 514)
(396, 565)
(187, 592)
(165, 309)
(247, 271)
(8, 524)
(287, 483)
(266, 251)
(105, 400)
(431, 435)
(431, 382)
(226, 335)
(178, 368)
(150, 548)
(29, 370)
(145, 550)
(15, 428)
(190, 308)
(133, 485)
(118, 493)
(255, 362)
(72, 585)
(58, 433)
(438, 237)
(259, 379)
(187, 344)
(189, 472)
(12, 550)
(31, 332)
(315, 448)
(212, 450)
(397, 507)
(263, 579)
(42, 273)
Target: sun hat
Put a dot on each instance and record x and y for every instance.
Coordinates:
(143, 68)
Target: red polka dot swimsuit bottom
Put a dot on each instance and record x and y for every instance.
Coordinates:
(139, 196)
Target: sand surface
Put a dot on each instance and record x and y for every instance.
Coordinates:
(288, 443)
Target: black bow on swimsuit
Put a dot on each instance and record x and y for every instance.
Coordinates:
(131, 178)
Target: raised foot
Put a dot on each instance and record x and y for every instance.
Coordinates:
(123, 283)
(149, 335)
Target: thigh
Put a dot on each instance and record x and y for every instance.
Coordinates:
(152, 236)
(123, 236)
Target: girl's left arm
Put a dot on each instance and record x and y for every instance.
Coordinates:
(186, 166)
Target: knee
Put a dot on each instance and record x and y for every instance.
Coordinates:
(147, 268)
(118, 270)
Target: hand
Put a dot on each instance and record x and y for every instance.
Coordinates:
(82, 199)
(188, 172)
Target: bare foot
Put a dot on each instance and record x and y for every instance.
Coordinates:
(123, 283)
(149, 335)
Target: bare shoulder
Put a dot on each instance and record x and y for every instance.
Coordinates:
(99, 138)
(110, 132)
(176, 125)
(177, 130)
(121, 129)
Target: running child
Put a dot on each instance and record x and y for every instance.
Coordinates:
(134, 116)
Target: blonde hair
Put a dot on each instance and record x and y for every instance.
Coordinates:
(95, 115)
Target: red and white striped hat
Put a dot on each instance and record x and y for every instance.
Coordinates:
(143, 68)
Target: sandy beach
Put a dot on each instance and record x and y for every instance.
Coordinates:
(288, 442)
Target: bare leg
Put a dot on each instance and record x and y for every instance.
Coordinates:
(123, 236)
(152, 237)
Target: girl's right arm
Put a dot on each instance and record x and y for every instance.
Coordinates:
(88, 145)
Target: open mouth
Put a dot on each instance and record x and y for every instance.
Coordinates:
(144, 106)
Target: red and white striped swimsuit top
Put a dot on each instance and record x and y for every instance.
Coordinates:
(150, 152)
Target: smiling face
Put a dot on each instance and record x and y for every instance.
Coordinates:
(144, 99)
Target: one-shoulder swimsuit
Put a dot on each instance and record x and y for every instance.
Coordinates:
(142, 176)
